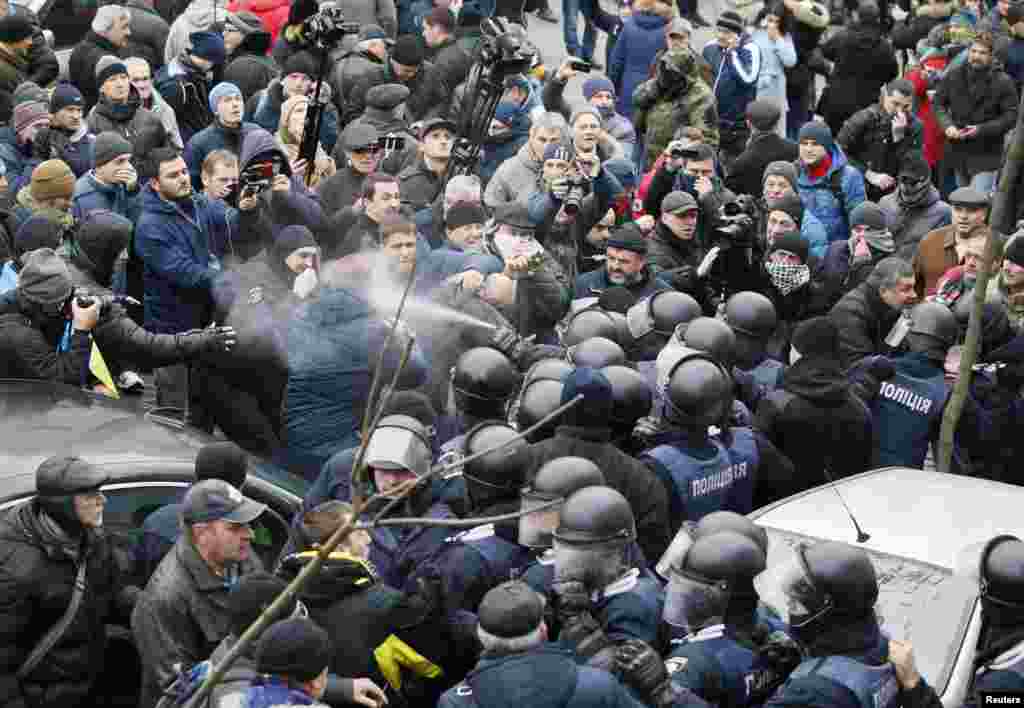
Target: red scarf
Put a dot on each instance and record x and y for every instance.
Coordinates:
(821, 169)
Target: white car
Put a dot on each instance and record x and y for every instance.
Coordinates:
(921, 525)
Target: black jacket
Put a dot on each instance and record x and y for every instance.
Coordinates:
(39, 562)
(452, 63)
(429, 96)
(864, 62)
(646, 494)
(816, 420)
(149, 34)
(341, 189)
(866, 138)
(249, 68)
(82, 65)
(746, 174)
(863, 320)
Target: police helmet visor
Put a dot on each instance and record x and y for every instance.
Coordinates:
(640, 319)
(537, 526)
(394, 448)
(692, 603)
(803, 601)
(673, 556)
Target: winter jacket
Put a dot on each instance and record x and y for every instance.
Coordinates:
(149, 34)
(746, 173)
(43, 66)
(736, 73)
(249, 68)
(158, 107)
(815, 419)
(987, 99)
(429, 96)
(542, 298)
(777, 56)
(646, 494)
(515, 180)
(181, 251)
(666, 252)
(272, 13)
(266, 113)
(18, 159)
(131, 121)
(863, 320)
(640, 38)
(616, 125)
(340, 190)
(419, 185)
(187, 91)
(39, 564)
(505, 145)
(910, 224)
(73, 148)
(333, 348)
(181, 616)
(29, 347)
(864, 62)
(213, 137)
(818, 197)
(595, 282)
(197, 17)
(936, 253)
(544, 677)
(659, 113)
(82, 65)
(347, 73)
(867, 140)
(452, 62)
(839, 276)
(91, 195)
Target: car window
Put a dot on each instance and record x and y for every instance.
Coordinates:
(69, 20)
(917, 601)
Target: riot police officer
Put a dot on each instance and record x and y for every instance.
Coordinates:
(599, 599)
(907, 409)
(713, 336)
(652, 321)
(591, 322)
(539, 398)
(596, 353)
(632, 399)
(706, 472)
(715, 651)
(830, 592)
(753, 319)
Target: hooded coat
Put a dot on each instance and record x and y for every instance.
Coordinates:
(186, 90)
(640, 38)
(818, 198)
(198, 17)
(909, 224)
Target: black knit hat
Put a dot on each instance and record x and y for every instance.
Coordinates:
(793, 243)
(109, 146)
(294, 648)
(408, 50)
(789, 203)
(730, 21)
(45, 279)
(293, 237)
(513, 609)
(253, 594)
(629, 238)
(15, 28)
(300, 63)
(1015, 251)
(222, 460)
(463, 214)
(817, 337)
(302, 10)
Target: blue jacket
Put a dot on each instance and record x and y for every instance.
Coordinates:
(181, 255)
(817, 236)
(907, 412)
(213, 137)
(17, 159)
(91, 194)
(736, 75)
(545, 677)
(641, 37)
(817, 196)
(333, 344)
(447, 261)
(273, 691)
(594, 282)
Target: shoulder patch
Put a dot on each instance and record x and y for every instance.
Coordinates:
(463, 689)
(675, 664)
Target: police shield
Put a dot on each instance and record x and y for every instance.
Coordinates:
(398, 443)
(693, 603)
(536, 527)
(673, 556)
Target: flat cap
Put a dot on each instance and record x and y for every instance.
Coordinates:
(387, 96)
(678, 202)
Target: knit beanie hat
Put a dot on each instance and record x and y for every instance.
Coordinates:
(107, 67)
(292, 238)
(585, 110)
(15, 28)
(794, 243)
(730, 21)
(869, 214)
(44, 279)
(37, 232)
(781, 168)
(222, 460)
(25, 114)
(102, 236)
(510, 610)
(294, 648)
(464, 213)
(817, 337)
(52, 179)
(408, 50)
(29, 91)
(222, 90)
(819, 132)
(65, 95)
(597, 84)
(207, 45)
(109, 146)
(300, 63)
(791, 204)
(250, 596)
(623, 170)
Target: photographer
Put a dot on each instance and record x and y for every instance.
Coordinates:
(47, 329)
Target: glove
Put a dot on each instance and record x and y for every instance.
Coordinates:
(646, 428)
(509, 343)
(684, 279)
(571, 597)
(642, 668)
(206, 341)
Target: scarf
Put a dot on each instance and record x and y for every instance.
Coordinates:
(878, 241)
(821, 168)
(915, 196)
(787, 277)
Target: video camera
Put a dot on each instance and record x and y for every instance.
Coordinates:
(85, 299)
(327, 27)
(574, 198)
(502, 50)
(736, 222)
(258, 178)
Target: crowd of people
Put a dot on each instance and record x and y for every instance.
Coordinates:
(625, 321)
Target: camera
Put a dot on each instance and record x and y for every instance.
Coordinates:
(581, 65)
(574, 198)
(258, 178)
(736, 221)
(688, 153)
(326, 28)
(391, 142)
(501, 50)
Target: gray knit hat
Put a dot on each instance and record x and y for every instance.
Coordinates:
(109, 146)
(781, 168)
(44, 279)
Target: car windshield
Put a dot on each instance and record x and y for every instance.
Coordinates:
(917, 601)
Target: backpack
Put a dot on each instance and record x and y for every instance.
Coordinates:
(183, 687)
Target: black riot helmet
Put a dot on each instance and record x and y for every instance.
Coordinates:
(935, 320)
(556, 479)
(823, 583)
(751, 314)
(707, 334)
(714, 569)
(661, 313)
(58, 480)
(631, 395)
(538, 399)
(596, 515)
(483, 381)
(698, 393)
(590, 322)
(596, 353)
(718, 521)
(1002, 571)
(498, 475)
(553, 369)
